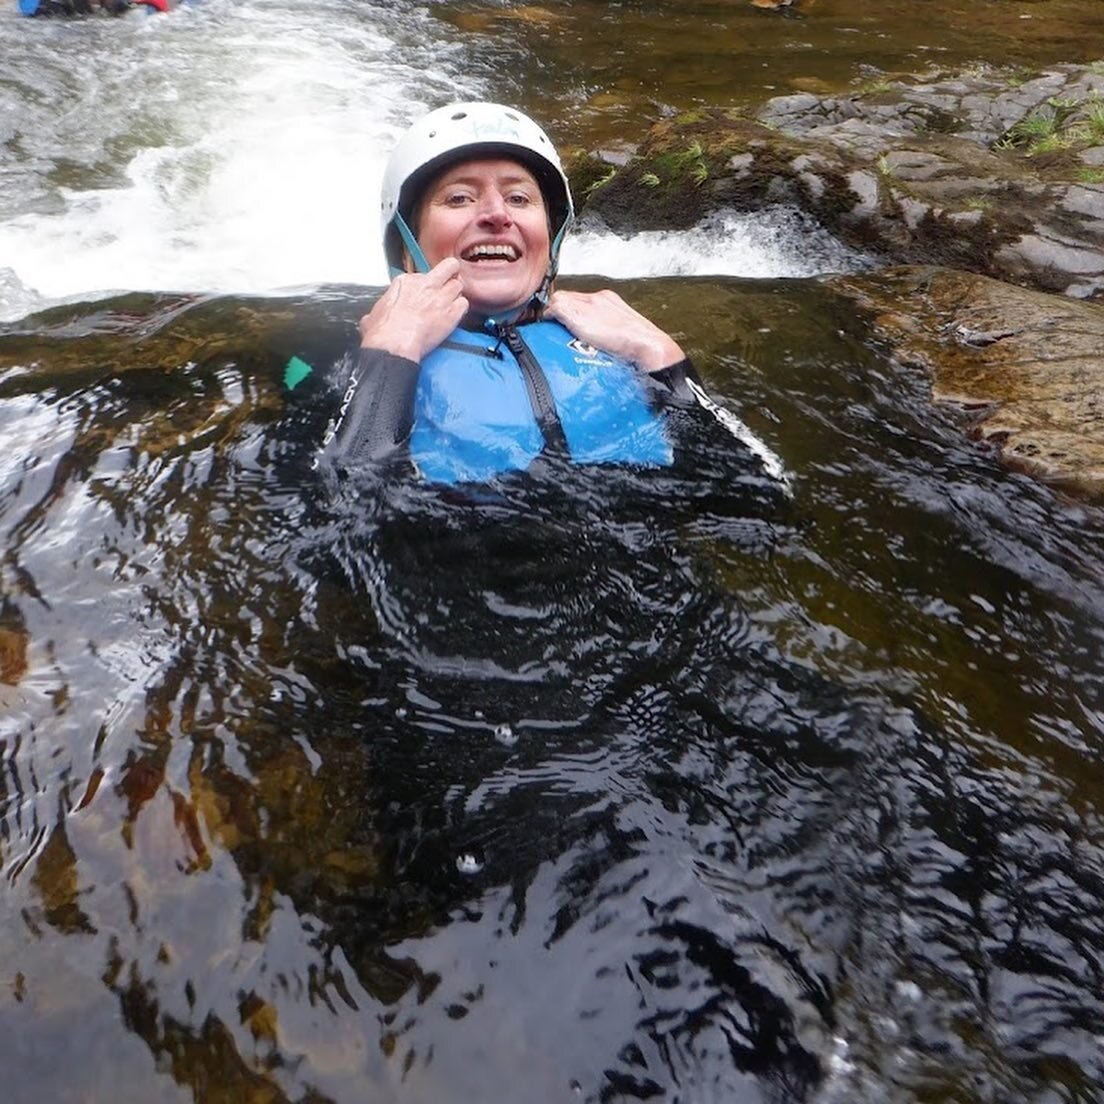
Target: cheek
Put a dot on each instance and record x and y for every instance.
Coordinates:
(537, 239)
(438, 237)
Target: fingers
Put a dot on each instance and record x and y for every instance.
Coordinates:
(599, 305)
(561, 307)
(603, 297)
(444, 270)
(416, 312)
(606, 321)
(593, 312)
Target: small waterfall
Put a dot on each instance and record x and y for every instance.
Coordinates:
(227, 146)
(236, 147)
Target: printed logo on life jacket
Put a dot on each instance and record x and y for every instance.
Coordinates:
(587, 354)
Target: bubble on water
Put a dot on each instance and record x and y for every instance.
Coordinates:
(505, 735)
(468, 863)
(401, 712)
(909, 991)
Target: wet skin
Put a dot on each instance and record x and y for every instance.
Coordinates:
(483, 227)
(489, 215)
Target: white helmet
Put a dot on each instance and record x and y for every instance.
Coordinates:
(451, 134)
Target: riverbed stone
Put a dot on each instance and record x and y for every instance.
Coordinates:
(909, 164)
(975, 226)
(1041, 251)
(865, 187)
(1085, 200)
(1025, 368)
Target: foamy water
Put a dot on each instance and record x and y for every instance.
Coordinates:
(238, 147)
(767, 244)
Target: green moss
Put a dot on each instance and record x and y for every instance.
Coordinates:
(1093, 120)
(1058, 125)
(876, 87)
(1016, 77)
(587, 172)
(1052, 143)
(594, 185)
(679, 166)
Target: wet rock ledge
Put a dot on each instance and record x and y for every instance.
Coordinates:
(997, 175)
(981, 171)
(1025, 368)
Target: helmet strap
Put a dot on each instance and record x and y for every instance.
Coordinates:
(545, 289)
(540, 297)
(412, 246)
(554, 248)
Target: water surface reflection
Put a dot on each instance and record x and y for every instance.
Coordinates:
(612, 785)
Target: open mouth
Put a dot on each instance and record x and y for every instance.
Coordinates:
(487, 252)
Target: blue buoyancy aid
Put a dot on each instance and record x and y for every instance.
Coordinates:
(474, 414)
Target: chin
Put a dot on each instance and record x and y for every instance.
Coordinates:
(489, 307)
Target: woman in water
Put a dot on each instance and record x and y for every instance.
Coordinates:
(470, 364)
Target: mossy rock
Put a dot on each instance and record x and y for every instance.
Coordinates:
(681, 172)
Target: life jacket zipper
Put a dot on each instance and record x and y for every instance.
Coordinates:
(476, 350)
(536, 387)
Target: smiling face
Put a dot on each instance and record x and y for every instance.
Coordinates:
(491, 215)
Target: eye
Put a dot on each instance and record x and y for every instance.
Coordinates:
(456, 199)
(519, 199)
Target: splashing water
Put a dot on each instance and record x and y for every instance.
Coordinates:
(238, 148)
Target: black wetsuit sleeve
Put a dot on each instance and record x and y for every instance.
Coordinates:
(671, 382)
(376, 414)
(709, 439)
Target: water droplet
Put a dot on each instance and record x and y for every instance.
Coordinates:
(505, 735)
(467, 863)
(400, 712)
(909, 991)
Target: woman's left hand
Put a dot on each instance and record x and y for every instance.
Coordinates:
(603, 319)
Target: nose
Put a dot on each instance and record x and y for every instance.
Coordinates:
(493, 210)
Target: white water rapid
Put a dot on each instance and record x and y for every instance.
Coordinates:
(237, 145)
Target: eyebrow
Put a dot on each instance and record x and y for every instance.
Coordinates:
(464, 178)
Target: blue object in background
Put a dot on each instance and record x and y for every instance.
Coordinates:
(28, 7)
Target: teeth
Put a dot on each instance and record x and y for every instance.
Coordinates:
(477, 251)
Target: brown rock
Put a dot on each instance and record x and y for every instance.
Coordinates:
(1027, 367)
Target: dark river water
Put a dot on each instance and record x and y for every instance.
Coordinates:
(593, 785)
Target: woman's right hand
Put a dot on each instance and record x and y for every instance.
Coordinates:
(416, 312)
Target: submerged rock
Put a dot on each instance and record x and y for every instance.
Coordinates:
(1025, 366)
